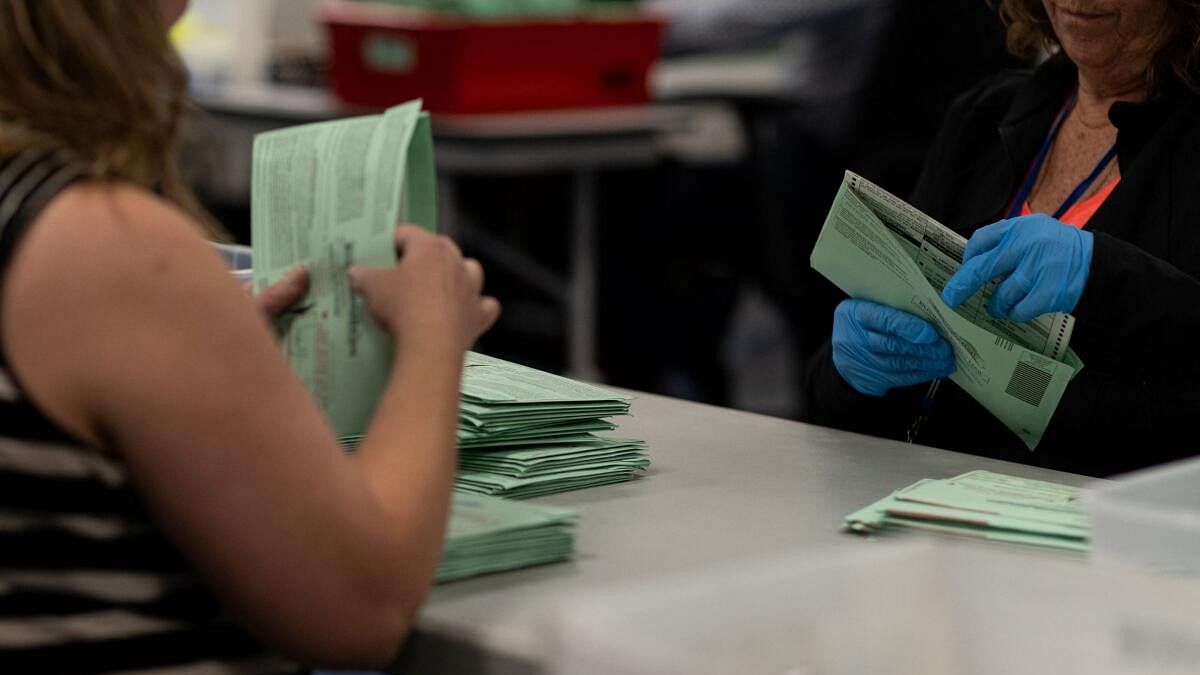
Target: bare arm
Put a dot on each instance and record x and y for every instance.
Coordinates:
(127, 331)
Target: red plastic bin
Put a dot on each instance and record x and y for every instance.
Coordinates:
(382, 55)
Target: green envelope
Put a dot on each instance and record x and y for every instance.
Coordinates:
(486, 534)
(327, 196)
(984, 505)
(527, 472)
(526, 433)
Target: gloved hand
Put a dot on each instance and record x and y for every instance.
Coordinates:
(877, 348)
(1044, 265)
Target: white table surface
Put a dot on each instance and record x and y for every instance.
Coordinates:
(724, 486)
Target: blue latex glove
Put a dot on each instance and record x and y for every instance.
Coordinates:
(1043, 265)
(877, 348)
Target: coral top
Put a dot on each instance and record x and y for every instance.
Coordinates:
(1081, 212)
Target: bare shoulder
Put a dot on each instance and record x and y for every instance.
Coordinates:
(102, 267)
(105, 230)
(107, 246)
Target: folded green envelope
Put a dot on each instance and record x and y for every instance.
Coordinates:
(488, 534)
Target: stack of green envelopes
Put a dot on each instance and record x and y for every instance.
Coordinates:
(487, 534)
(524, 432)
(529, 472)
(984, 505)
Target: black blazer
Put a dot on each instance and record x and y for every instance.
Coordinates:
(1137, 400)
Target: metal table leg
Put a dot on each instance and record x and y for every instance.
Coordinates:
(582, 303)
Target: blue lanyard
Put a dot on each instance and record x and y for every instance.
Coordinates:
(1018, 202)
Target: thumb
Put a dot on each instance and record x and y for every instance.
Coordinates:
(489, 312)
(359, 277)
(277, 297)
(363, 281)
(911, 328)
(366, 282)
(969, 278)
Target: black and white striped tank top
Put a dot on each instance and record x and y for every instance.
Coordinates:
(87, 584)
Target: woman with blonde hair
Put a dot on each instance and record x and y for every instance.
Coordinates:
(170, 496)
(1077, 185)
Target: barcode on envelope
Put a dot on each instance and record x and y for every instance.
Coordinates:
(1028, 383)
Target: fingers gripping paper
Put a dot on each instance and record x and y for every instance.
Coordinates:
(876, 247)
(327, 196)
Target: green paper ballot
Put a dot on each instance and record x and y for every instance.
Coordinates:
(327, 196)
(876, 247)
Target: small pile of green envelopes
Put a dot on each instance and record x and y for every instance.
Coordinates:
(984, 505)
(529, 472)
(488, 534)
(524, 432)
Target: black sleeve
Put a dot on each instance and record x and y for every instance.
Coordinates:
(940, 169)
(829, 401)
(1136, 330)
(1138, 305)
(932, 172)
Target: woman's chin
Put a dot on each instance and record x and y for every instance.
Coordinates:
(1088, 53)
